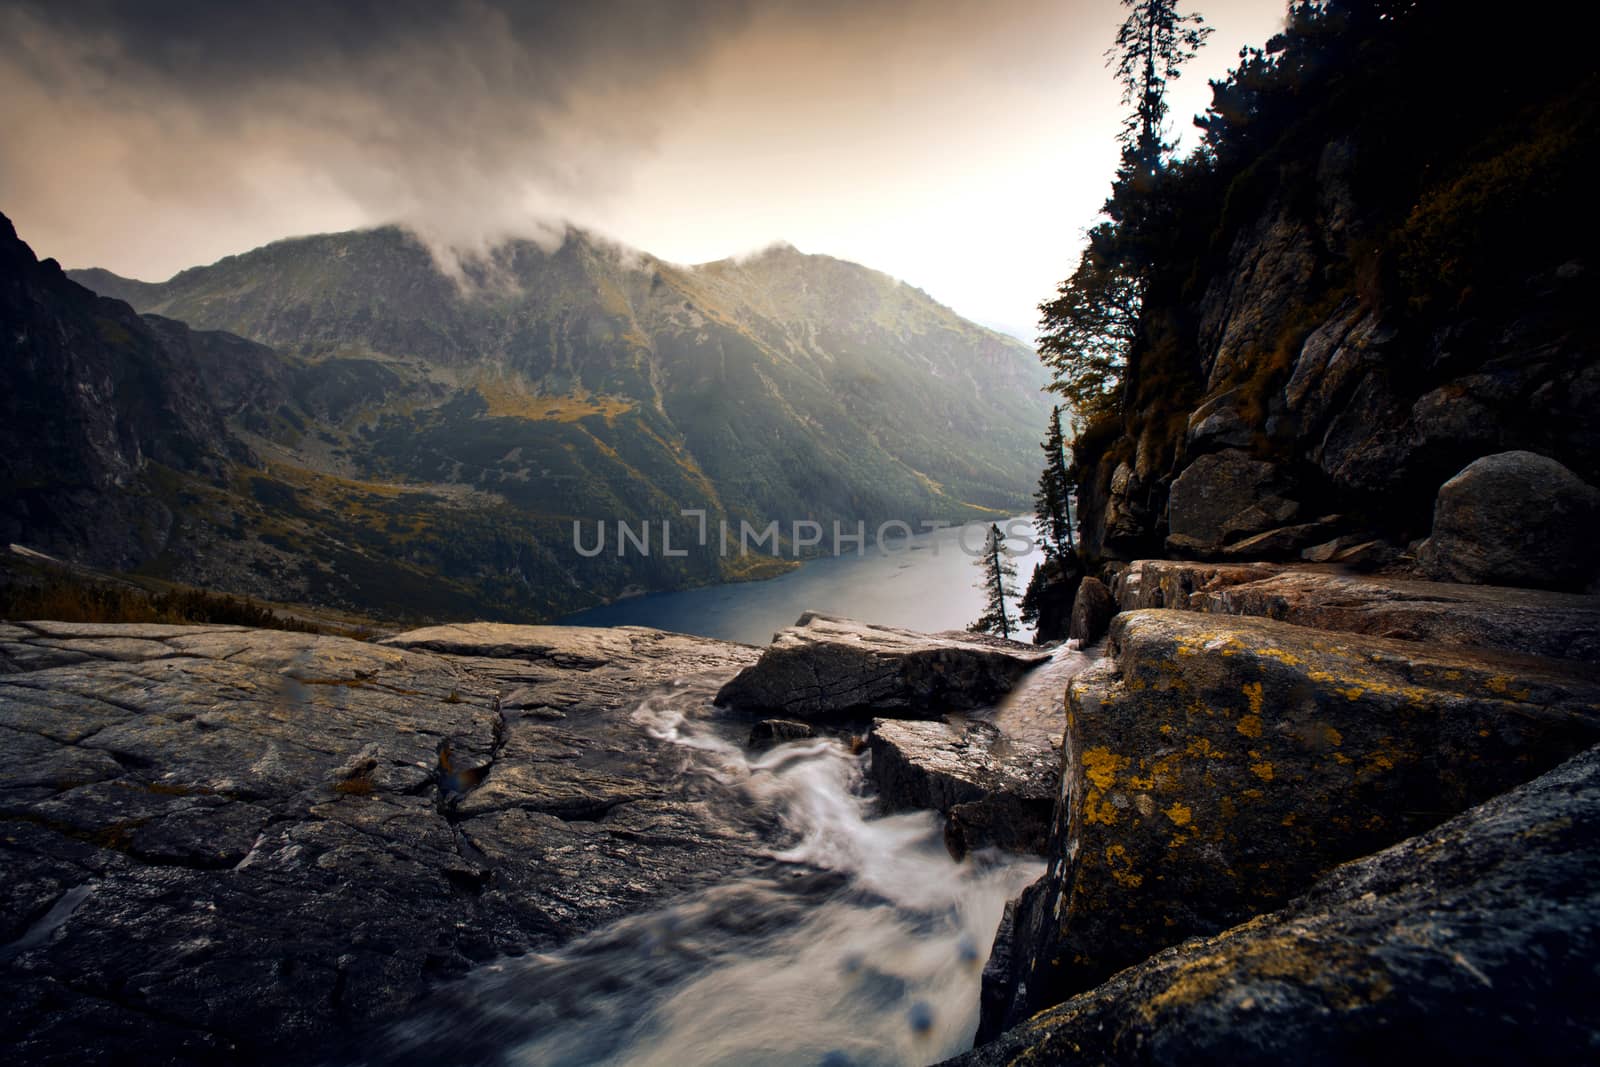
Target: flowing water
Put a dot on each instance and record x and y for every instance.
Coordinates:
(861, 942)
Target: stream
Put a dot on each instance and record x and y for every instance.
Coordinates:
(861, 943)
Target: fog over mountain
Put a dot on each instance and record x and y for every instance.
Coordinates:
(924, 138)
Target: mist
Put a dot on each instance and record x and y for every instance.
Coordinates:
(961, 147)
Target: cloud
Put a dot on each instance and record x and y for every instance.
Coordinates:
(469, 119)
(963, 146)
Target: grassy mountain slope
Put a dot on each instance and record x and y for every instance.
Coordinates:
(422, 444)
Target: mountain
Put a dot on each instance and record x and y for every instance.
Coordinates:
(93, 398)
(407, 441)
(779, 386)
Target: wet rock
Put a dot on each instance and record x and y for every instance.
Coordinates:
(775, 731)
(1224, 497)
(1216, 766)
(1472, 943)
(1515, 518)
(224, 843)
(824, 666)
(1513, 620)
(1091, 612)
(994, 790)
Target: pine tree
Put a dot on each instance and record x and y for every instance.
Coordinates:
(1052, 503)
(1090, 326)
(999, 581)
(1152, 45)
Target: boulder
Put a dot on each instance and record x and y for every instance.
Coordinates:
(994, 790)
(1472, 943)
(1215, 767)
(825, 667)
(225, 844)
(1564, 625)
(1216, 423)
(1091, 612)
(1226, 496)
(770, 732)
(1515, 518)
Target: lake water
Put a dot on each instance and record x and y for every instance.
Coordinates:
(929, 582)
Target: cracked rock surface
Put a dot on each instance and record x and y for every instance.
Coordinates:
(225, 843)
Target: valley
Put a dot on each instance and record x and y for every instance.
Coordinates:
(383, 437)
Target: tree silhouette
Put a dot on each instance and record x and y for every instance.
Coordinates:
(999, 581)
(1052, 502)
(1153, 44)
(1088, 328)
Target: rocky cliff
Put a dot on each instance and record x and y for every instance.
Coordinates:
(1358, 422)
(1367, 290)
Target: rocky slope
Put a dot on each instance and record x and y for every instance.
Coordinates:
(93, 397)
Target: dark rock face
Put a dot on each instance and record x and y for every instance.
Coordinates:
(1091, 612)
(775, 731)
(1472, 943)
(1511, 620)
(1515, 518)
(1215, 767)
(1225, 497)
(823, 666)
(92, 397)
(994, 790)
(1368, 393)
(232, 844)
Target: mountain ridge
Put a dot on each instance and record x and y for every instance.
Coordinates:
(409, 444)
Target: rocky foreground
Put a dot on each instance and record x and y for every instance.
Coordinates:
(1285, 814)
(227, 844)
(1250, 729)
(223, 843)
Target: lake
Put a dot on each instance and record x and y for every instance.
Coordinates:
(929, 582)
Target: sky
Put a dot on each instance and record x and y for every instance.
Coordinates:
(963, 147)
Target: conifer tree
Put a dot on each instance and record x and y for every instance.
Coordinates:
(1153, 44)
(1052, 503)
(1089, 328)
(999, 582)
